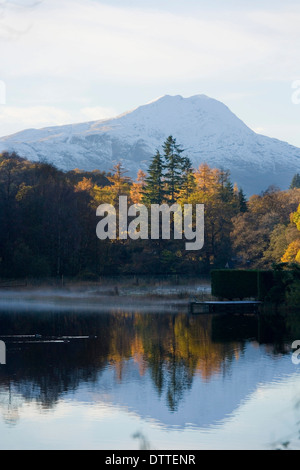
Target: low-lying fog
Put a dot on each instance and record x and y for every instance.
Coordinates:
(105, 296)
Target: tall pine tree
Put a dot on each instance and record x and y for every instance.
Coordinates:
(153, 192)
(295, 181)
(226, 190)
(242, 201)
(174, 164)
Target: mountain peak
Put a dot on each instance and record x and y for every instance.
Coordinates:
(180, 97)
(204, 126)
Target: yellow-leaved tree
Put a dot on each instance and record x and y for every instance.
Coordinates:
(292, 253)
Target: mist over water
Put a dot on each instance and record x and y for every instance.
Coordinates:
(109, 295)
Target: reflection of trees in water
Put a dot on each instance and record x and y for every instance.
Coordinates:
(10, 403)
(177, 339)
(173, 349)
(179, 347)
(44, 372)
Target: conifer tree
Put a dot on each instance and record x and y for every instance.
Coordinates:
(226, 190)
(188, 184)
(153, 192)
(295, 181)
(119, 181)
(174, 165)
(242, 201)
(240, 198)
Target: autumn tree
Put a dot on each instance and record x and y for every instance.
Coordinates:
(292, 252)
(120, 185)
(258, 234)
(206, 178)
(137, 188)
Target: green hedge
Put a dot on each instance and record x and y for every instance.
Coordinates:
(239, 284)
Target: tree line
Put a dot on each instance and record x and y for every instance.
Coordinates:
(48, 219)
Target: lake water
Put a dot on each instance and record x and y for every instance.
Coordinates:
(158, 380)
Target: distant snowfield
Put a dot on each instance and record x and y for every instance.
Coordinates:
(204, 127)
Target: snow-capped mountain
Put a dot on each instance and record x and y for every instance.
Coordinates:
(204, 127)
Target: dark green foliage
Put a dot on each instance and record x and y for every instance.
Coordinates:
(154, 190)
(292, 295)
(278, 286)
(169, 175)
(188, 183)
(175, 165)
(242, 201)
(291, 284)
(265, 282)
(232, 284)
(225, 186)
(238, 284)
(295, 181)
(284, 278)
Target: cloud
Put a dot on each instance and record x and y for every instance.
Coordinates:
(87, 39)
(8, 8)
(97, 113)
(73, 59)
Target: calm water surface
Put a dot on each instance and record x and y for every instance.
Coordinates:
(148, 380)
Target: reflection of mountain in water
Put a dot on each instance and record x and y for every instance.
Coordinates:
(204, 402)
(175, 369)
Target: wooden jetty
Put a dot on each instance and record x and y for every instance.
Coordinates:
(228, 306)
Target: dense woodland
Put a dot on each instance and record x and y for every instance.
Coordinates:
(48, 220)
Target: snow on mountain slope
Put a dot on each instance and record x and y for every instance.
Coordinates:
(204, 127)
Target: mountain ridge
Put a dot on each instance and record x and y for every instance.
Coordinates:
(206, 128)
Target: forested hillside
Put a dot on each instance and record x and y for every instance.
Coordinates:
(48, 220)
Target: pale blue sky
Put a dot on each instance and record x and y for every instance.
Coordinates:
(69, 61)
